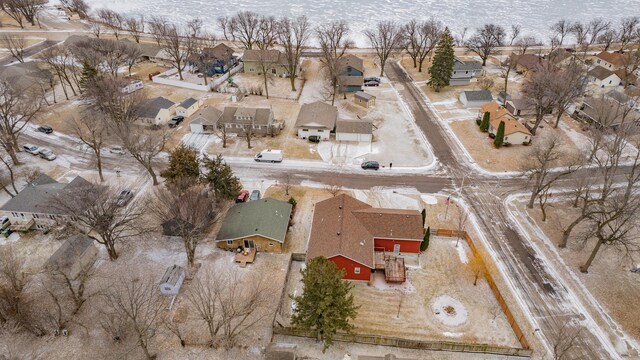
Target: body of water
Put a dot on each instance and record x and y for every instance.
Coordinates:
(535, 16)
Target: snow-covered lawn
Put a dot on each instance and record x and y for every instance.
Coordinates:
(278, 87)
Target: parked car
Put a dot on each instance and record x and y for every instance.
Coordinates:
(117, 150)
(314, 138)
(255, 195)
(47, 154)
(31, 149)
(45, 129)
(6, 232)
(370, 165)
(243, 196)
(372, 78)
(175, 121)
(124, 197)
(372, 83)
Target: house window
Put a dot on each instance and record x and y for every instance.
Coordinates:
(305, 130)
(251, 69)
(598, 61)
(238, 126)
(35, 216)
(73, 218)
(52, 217)
(466, 72)
(273, 71)
(270, 244)
(320, 131)
(356, 270)
(14, 214)
(229, 242)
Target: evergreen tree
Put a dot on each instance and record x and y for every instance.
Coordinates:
(183, 164)
(441, 69)
(499, 140)
(484, 125)
(424, 215)
(326, 304)
(218, 174)
(87, 76)
(425, 241)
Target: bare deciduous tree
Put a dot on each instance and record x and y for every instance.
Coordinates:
(627, 31)
(176, 43)
(228, 304)
(91, 130)
(560, 30)
(515, 32)
(385, 39)
(525, 43)
(334, 42)
(537, 87)
(567, 85)
(485, 40)
(97, 209)
(293, 36)
(8, 180)
(113, 20)
(564, 338)
(135, 27)
(244, 27)
(420, 38)
(17, 110)
(139, 305)
(15, 44)
(79, 7)
(60, 62)
(188, 209)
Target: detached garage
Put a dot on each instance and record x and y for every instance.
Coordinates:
(354, 131)
(477, 98)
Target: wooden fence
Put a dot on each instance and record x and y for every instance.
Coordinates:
(408, 344)
(505, 308)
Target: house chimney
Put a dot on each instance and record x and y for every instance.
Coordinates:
(338, 233)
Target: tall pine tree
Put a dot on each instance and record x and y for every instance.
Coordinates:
(326, 303)
(183, 164)
(484, 125)
(499, 140)
(218, 174)
(441, 69)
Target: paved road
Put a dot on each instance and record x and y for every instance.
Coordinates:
(29, 51)
(545, 297)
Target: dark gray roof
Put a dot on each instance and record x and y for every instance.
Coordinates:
(478, 95)
(37, 196)
(43, 179)
(600, 73)
(460, 65)
(318, 115)
(351, 60)
(261, 116)
(363, 95)
(70, 252)
(267, 217)
(619, 97)
(207, 116)
(151, 108)
(188, 102)
(354, 127)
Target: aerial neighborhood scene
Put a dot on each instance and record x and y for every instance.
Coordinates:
(319, 180)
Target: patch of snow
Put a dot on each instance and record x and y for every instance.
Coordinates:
(429, 199)
(462, 253)
(457, 314)
(380, 284)
(452, 334)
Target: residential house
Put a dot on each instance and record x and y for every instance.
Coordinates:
(75, 256)
(239, 120)
(514, 131)
(187, 107)
(611, 60)
(172, 280)
(218, 59)
(261, 225)
(560, 57)
(27, 76)
(352, 130)
(475, 98)
(521, 107)
(34, 206)
(464, 71)
(157, 111)
(623, 99)
(603, 77)
(132, 86)
(607, 112)
(360, 238)
(274, 62)
(317, 118)
(626, 78)
(205, 121)
(351, 70)
(526, 62)
(363, 99)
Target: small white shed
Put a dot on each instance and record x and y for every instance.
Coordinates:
(133, 86)
(354, 131)
(172, 280)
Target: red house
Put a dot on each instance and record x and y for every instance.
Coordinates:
(361, 239)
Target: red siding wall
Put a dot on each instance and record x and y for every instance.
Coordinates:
(409, 246)
(349, 268)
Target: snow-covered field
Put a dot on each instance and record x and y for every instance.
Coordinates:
(534, 16)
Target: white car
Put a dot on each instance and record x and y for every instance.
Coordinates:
(47, 154)
(117, 150)
(31, 149)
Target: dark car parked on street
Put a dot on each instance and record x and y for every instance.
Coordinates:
(370, 165)
(45, 129)
(124, 197)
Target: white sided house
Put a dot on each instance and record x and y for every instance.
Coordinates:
(172, 280)
(611, 60)
(602, 77)
(351, 130)
(157, 111)
(188, 107)
(317, 118)
(76, 256)
(33, 207)
(132, 86)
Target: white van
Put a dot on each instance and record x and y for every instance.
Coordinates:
(269, 156)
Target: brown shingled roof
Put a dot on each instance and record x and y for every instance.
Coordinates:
(345, 226)
(612, 58)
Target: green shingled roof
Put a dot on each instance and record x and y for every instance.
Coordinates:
(267, 217)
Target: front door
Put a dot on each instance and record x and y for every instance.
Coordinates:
(396, 248)
(248, 244)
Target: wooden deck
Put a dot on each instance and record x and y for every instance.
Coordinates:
(246, 259)
(394, 270)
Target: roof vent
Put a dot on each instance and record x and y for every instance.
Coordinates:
(340, 207)
(338, 233)
(361, 243)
